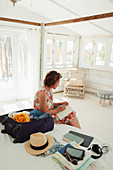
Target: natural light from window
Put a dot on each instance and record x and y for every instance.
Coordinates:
(89, 52)
(6, 62)
(59, 52)
(111, 59)
(49, 51)
(100, 53)
(69, 58)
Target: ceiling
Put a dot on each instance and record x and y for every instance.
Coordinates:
(58, 10)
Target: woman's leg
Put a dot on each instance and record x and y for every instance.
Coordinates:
(75, 122)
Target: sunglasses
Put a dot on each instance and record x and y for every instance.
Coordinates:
(73, 161)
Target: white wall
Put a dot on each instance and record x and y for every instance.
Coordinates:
(98, 80)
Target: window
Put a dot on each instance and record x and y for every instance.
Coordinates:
(69, 57)
(13, 65)
(6, 61)
(96, 53)
(49, 51)
(111, 59)
(60, 51)
(19, 63)
(88, 52)
(100, 53)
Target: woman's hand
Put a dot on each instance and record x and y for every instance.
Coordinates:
(61, 108)
(65, 103)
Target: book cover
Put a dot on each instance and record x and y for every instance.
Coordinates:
(62, 150)
(65, 112)
(87, 139)
(69, 137)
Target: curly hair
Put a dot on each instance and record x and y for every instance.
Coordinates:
(51, 78)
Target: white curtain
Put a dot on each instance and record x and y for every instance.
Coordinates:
(33, 60)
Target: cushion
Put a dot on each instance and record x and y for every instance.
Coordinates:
(75, 82)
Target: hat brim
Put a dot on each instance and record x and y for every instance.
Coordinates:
(38, 152)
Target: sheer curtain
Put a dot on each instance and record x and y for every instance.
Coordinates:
(19, 63)
(33, 61)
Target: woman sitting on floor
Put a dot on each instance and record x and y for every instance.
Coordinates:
(43, 101)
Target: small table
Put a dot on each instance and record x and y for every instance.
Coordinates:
(105, 95)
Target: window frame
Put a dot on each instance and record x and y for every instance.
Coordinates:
(65, 39)
(54, 49)
(108, 43)
(70, 63)
(49, 64)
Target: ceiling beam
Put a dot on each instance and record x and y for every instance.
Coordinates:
(19, 21)
(88, 18)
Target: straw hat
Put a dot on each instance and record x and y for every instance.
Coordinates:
(39, 143)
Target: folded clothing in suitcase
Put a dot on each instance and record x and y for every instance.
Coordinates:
(21, 131)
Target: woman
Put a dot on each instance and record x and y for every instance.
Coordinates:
(43, 100)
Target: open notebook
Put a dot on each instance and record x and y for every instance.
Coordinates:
(65, 112)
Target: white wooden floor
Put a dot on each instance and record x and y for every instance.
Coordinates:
(93, 117)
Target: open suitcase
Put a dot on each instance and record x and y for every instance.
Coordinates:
(21, 131)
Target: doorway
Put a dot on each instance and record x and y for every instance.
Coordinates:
(13, 65)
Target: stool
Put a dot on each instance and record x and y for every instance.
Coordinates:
(105, 95)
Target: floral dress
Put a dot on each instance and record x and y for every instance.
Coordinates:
(50, 106)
